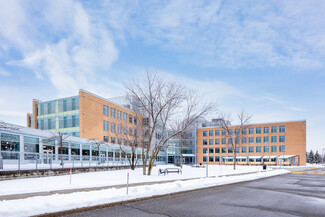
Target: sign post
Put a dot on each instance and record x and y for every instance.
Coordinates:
(70, 174)
(207, 170)
(127, 184)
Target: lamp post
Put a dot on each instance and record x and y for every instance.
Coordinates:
(207, 170)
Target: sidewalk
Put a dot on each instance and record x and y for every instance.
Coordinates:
(68, 191)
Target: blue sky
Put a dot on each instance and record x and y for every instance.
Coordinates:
(264, 56)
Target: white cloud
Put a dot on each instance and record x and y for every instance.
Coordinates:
(4, 73)
(71, 50)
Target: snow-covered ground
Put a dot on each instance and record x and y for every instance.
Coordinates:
(108, 178)
(59, 202)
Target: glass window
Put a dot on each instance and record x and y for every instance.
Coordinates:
(130, 131)
(204, 159)
(205, 133)
(273, 148)
(237, 149)
(211, 158)
(230, 149)
(113, 140)
(205, 142)
(244, 131)
(125, 117)
(217, 141)
(282, 148)
(266, 139)
(130, 119)
(251, 130)
(266, 129)
(119, 115)
(223, 149)
(135, 120)
(119, 129)
(223, 132)
(217, 159)
(243, 149)
(273, 129)
(211, 150)
(282, 129)
(217, 150)
(229, 141)
(113, 113)
(236, 131)
(210, 132)
(205, 150)
(210, 141)
(282, 138)
(10, 142)
(258, 149)
(266, 149)
(105, 125)
(106, 139)
(217, 132)
(223, 141)
(251, 140)
(273, 139)
(230, 131)
(244, 140)
(251, 149)
(258, 130)
(237, 140)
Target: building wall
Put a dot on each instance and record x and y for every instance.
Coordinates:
(295, 141)
(92, 118)
(35, 114)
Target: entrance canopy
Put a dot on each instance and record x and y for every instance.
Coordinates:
(255, 157)
(286, 156)
(270, 156)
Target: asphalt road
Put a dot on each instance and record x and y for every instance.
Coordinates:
(287, 195)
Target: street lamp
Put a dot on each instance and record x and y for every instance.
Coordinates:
(207, 170)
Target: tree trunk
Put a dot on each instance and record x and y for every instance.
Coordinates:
(180, 154)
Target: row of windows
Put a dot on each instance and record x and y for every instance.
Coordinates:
(63, 106)
(118, 141)
(217, 159)
(258, 149)
(258, 130)
(266, 139)
(126, 131)
(64, 122)
(119, 113)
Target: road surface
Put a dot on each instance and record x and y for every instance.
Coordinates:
(286, 195)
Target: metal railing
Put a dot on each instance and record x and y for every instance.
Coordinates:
(17, 161)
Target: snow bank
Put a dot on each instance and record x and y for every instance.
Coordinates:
(59, 202)
(109, 178)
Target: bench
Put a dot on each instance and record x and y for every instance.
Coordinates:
(169, 170)
(198, 166)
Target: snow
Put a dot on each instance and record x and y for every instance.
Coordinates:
(109, 178)
(59, 202)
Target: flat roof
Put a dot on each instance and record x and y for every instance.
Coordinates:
(278, 122)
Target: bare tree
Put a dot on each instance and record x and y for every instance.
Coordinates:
(235, 135)
(6, 126)
(161, 101)
(130, 140)
(60, 137)
(98, 143)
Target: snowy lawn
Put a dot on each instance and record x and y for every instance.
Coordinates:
(108, 178)
(59, 202)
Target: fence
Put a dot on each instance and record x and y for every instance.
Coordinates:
(16, 161)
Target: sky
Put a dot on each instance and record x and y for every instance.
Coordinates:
(266, 57)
